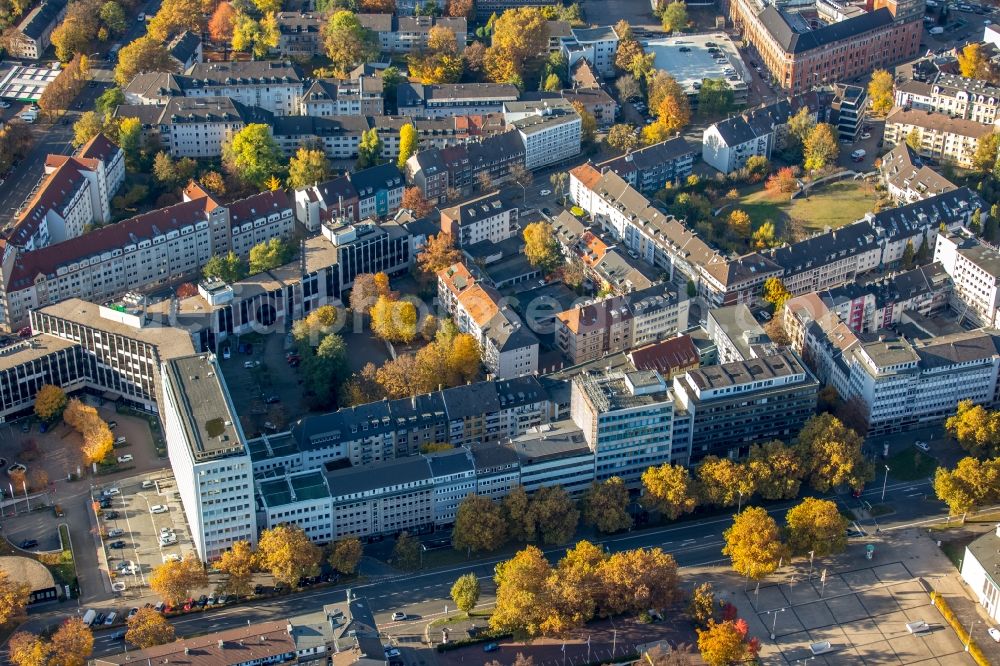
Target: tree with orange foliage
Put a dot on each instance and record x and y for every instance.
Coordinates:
(783, 181)
(439, 253)
(459, 8)
(186, 290)
(220, 26)
(72, 644)
(378, 6)
(415, 200)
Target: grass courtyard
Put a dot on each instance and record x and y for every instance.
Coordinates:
(832, 205)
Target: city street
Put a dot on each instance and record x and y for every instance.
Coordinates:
(424, 596)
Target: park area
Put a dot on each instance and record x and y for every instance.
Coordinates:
(832, 205)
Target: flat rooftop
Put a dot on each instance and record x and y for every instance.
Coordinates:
(550, 441)
(272, 446)
(292, 489)
(170, 342)
(209, 425)
(696, 64)
(35, 347)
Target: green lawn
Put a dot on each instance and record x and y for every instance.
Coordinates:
(911, 465)
(832, 205)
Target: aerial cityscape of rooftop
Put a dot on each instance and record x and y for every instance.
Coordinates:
(503, 332)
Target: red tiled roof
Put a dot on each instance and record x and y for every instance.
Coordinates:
(58, 188)
(256, 206)
(666, 357)
(47, 259)
(99, 148)
(587, 174)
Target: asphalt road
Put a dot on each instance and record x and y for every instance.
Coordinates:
(57, 138)
(424, 596)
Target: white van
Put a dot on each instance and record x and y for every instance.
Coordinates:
(88, 617)
(938, 30)
(858, 154)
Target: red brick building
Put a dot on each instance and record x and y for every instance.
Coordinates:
(801, 53)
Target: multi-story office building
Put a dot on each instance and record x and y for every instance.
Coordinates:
(737, 335)
(454, 476)
(902, 383)
(491, 217)
(408, 34)
(453, 99)
(555, 454)
(301, 499)
(649, 169)
(848, 111)
(942, 137)
(800, 55)
(362, 96)
(28, 365)
(626, 419)
(735, 405)
(608, 326)
(382, 498)
(908, 179)
(367, 247)
(551, 130)
(975, 269)
(122, 349)
(208, 455)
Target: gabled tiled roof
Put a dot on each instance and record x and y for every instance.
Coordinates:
(100, 148)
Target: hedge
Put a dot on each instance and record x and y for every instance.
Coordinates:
(963, 635)
(484, 637)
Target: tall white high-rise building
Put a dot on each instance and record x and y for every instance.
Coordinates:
(208, 454)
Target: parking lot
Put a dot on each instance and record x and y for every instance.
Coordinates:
(858, 617)
(130, 531)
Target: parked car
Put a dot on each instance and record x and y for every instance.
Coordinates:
(226, 353)
(112, 424)
(491, 647)
(17, 467)
(923, 446)
(172, 557)
(117, 545)
(132, 613)
(147, 484)
(28, 543)
(398, 616)
(994, 633)
(127, 458)
(117, 532)
(112, 491)
(111, 515)
(110, 619)
(158, 508)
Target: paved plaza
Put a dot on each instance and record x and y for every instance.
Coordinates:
(862, 614)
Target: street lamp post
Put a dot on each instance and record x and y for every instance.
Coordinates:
(968, 641)
(885, 481)
(774, 624)
(739, 505)
(812, 553)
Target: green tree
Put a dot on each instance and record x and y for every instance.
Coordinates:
(255, 37)
(465, 592)
(269, 255)
(407, 143)
(800, 126)
(113, 16)
(308, 167)
(815, 525)
(129, 136)
(606, 505)
(252, 154)
(406, 552)
(675, 17)
(109, 100)
(229, 268)
(753, 543)
(369, 149)
(820, 147)
(715, 97)
(347, 42)
(908, 255)
(479, 525)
